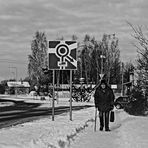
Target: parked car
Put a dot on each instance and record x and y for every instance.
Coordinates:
(122, 101)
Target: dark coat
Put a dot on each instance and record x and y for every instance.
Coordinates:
(104, 100)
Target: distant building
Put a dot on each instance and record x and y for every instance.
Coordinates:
(19, 87)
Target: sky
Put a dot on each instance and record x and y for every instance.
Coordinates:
(19, 20)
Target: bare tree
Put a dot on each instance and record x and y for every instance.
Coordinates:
(91, 58)
(142, 50)
(110, 50)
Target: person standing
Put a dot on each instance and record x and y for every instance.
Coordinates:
(104, 102)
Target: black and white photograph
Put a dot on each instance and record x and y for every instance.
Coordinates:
(73, 74)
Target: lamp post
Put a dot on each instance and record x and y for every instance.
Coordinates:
(102, 57)
(132, 78)
(80, 60)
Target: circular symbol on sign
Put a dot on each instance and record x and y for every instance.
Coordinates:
(62, 50)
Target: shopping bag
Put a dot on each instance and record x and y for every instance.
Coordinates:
(112, 116)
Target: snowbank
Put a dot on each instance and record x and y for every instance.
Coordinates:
(133, 131)
(45, 132)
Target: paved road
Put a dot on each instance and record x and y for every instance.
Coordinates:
(23, 112)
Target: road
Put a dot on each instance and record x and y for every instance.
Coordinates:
(21, 112)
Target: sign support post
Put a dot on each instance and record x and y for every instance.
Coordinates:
(62, 56)
(53, 95)
(71, 95)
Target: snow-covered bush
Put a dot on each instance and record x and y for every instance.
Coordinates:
(137, 106)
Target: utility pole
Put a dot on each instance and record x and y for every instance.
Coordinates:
(15, 72)
(15, 78)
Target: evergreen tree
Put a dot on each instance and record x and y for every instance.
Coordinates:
(38, 59)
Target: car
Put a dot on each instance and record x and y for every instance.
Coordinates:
(33, 93)
(122, 101)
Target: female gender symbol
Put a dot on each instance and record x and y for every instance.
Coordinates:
(62, 51)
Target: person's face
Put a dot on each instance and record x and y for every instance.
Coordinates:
(103, 86)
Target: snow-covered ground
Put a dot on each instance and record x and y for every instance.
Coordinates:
(126, 132)
(45, 133)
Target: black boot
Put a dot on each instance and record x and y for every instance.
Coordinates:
(101, 121)
(107, 121)
(101, 128)
(107, 129)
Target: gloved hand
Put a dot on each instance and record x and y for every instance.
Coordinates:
(111, 107)
(96, 106)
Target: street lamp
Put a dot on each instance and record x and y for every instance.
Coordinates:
(102, 57)
(132, 78)
(80, 60)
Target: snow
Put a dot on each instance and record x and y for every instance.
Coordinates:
(134, 132)
(127, 131)
(45, 132)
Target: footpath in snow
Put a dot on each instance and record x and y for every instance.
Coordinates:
(126, 132)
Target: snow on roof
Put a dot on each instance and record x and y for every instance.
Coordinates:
(18, 84)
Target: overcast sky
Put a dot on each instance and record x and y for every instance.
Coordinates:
(20, 19)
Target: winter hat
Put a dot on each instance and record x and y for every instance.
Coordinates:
(103, 82)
